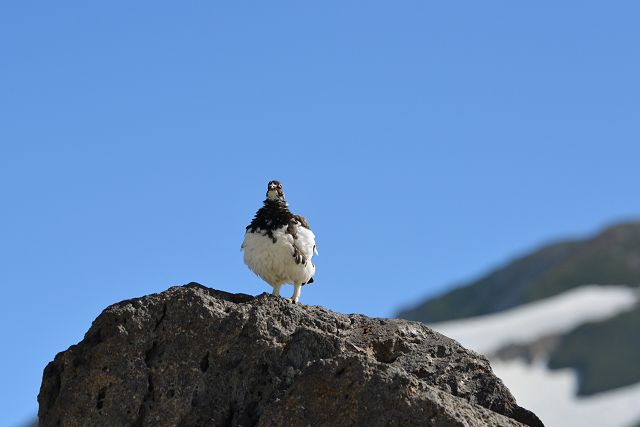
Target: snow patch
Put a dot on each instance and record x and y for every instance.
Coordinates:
(551, 396)
(526, 323)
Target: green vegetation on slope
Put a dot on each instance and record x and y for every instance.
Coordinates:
(605, 354)
(612, 257)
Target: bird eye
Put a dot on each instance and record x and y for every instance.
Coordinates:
(279, 185)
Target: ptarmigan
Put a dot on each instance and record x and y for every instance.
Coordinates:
(278, 245)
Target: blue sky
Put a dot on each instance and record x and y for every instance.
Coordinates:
(425, 143)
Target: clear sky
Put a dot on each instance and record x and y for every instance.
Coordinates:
(425, 143)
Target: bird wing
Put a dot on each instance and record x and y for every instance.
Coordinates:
(305, 242)
(303, 225)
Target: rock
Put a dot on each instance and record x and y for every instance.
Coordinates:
(194, 356)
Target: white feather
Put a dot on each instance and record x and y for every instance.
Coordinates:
(274, 262)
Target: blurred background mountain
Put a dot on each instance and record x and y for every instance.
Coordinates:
(561, 326)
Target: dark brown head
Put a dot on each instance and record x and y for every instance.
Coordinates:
(274, 191)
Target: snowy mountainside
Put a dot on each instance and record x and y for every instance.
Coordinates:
(552, 394)
(555, 315)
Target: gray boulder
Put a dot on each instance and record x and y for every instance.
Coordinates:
(194, 356)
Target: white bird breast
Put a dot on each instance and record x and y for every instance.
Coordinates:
(274, 262)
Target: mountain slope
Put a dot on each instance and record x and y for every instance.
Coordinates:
(551, 394)
(592, 332)
(611, 257)
(606, 354)
(532, 322)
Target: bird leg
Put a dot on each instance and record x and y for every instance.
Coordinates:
(296, 293)
(276, 290)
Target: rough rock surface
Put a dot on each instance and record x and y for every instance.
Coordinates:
(194, 356)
